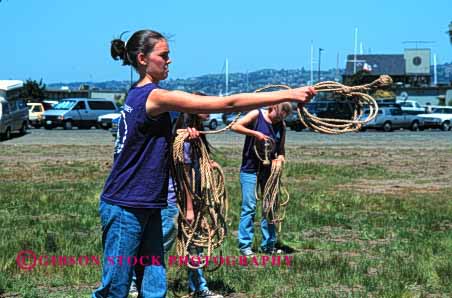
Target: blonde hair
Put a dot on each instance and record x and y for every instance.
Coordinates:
(285, 107)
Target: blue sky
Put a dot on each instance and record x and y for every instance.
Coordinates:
(65, 41)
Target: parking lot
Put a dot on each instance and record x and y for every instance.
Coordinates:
(397, 139)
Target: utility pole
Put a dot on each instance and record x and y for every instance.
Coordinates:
(320, 54)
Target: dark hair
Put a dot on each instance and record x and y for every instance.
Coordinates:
(192, 120)
(142, 41)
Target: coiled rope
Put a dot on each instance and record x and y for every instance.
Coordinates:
(209, 197)
(357, 94)
(273, 206)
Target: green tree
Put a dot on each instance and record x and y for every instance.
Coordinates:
(356, 79)
(33, 90)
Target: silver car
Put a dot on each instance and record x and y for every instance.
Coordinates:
(390, 118)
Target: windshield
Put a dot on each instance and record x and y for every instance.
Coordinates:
(64, 105)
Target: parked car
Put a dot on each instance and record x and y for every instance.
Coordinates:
(229, 117)
(80, 112)
(13, 109)
(105, 121)
(213, 121)
(411, 107)
(35, 111)
(440, 117)
(392, 117)
(114, 126)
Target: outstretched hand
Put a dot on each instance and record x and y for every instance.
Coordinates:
(303, 95)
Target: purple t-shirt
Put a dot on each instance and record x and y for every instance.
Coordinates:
(139, 177)
(250, 162)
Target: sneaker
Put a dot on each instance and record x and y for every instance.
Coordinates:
(247, 252)
(133, 292)
(271, 251)
(207, 294)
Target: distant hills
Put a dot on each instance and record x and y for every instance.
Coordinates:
(239, 82)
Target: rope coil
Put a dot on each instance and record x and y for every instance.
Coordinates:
(209, 197)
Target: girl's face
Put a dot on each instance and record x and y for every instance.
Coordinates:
(276, 115)
(157, 61)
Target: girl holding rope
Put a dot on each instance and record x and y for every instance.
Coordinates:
(137, 187)
(259, 126)
(197, 282)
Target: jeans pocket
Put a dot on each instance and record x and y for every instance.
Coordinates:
(104, 212)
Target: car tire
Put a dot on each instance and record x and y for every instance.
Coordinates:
(415, 126)
(213, 124)
(6, 135)
(23, 128)
(387, 126)
(298, 127)
(445, 126)
(68, 125)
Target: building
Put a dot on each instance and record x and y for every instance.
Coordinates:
(58, 94)
(412, 68)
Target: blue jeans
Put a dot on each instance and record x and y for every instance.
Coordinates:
(130, 232)
(196, 279)
(246, 226)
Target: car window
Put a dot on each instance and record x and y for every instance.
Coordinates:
(5, 108)
(417, 105)
(395, 112)
(13, 106)
(101, 105)
(80, 106)
(36, 109)
(64, 105)
(21, 104)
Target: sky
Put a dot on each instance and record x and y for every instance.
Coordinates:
(68, 41)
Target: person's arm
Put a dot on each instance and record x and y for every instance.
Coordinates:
(190, 214)
(160, 101)
(241, 126)
(282, 147)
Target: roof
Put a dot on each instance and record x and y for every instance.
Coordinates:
(10, 84)
(393, 65)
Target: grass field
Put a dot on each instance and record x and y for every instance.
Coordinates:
(363, 223)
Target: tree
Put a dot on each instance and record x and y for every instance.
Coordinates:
(33, 90)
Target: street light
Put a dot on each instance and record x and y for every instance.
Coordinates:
(320, 54)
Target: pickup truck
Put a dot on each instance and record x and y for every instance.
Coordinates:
(390, 118)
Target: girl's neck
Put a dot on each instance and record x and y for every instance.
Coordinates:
(146, 79)
(267, 116)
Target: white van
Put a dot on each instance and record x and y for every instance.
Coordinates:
(13, 109)
(80, 112)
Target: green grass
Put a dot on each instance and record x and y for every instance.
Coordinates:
(348, 242)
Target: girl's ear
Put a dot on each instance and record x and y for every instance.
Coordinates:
(141, 59)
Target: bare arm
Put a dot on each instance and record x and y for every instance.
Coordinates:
(241, 126)
(190, 216)
(160, 101)
(282, 149)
